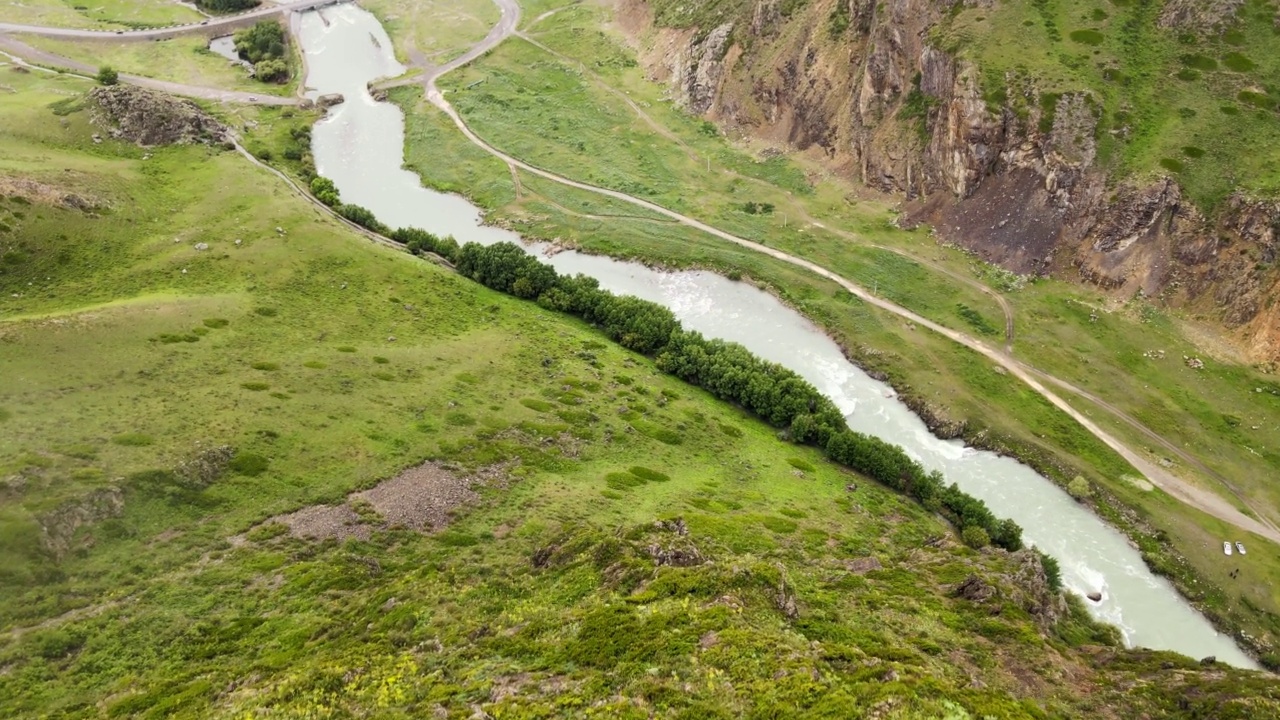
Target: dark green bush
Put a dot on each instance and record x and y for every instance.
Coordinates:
(248, 464)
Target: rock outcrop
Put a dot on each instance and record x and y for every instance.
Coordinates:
(148, 117)
(1007, 171)
(59, 526)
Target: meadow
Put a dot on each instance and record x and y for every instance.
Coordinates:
(632, 547)
(580, 106)
(103, 14)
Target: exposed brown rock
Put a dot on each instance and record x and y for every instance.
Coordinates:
(148, 117)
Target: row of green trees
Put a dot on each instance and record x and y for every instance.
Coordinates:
(727, 370)
(226, 6)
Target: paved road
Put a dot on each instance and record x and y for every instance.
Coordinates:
(266, 10)
(20, 52)
(1184, 491)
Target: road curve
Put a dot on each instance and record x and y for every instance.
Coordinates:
(267, 9)
(22, 52)
(1184, 491)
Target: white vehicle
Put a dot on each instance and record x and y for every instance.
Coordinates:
(1240, 548)
(1226, 547)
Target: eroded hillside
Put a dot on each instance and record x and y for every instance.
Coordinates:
(1130, 144)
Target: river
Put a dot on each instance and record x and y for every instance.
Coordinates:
(360, 146)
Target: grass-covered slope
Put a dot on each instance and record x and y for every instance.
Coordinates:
(1192, 94)
(160, 586)
(1133, 354)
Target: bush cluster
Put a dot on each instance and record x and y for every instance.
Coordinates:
(263, 45)
(727, 370)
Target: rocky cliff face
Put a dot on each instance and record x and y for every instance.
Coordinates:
(860, 84)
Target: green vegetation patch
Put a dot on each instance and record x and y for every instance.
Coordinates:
(133, 439)
(1087, 37)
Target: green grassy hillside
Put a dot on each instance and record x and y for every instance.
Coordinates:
(596, 118)
(164, 405)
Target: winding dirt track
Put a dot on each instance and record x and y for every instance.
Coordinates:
(1184, 491)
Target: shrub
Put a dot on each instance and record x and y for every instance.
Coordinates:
(650, 475)
(263, 42)
(623, 481)
(133, 439)
(361, 216)
(975, 537)
(459, 419)
(1238, 63)
(1079, 488)
(267, 366)
(226, 6)
(325, 191)
(276, 71)
(1052, 572)
(782, 526)
(254, 386)
(107, 75)
(248, 464)
(799, 464)
(1086, 37)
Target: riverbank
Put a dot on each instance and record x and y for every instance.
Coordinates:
(400, 203)
(985, 400)
(292, 373)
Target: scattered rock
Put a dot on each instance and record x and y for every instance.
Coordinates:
(1210, 660)
(1200, 16)
(202, 246)
(675, 525)
(422, 498)
(58, 526)
(675, 556)
(1095, 596)
(147, 117)
(329, 100)
(975, 588)
(862, 566)
(205, 467)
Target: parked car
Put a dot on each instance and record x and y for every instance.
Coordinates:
(1240, 548)
(1226, 547)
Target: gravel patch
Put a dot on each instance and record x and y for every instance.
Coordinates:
(423, 498)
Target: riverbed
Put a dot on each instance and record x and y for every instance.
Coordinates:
(360, 147)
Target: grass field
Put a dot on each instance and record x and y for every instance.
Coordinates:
(558, 114)
(102, 13)
(439, 29)
(1201, 107)
(326, 364)
(186, 60)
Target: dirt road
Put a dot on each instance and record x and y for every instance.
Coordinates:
(20, 51)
